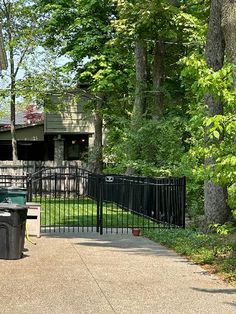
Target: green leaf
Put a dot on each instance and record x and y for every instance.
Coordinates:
(216, 134)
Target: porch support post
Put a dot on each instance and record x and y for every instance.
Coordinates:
(58, 148)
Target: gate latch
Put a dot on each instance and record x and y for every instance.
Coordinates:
(109, 179)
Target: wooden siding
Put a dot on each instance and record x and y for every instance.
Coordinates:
(70, 120)
(67, 123)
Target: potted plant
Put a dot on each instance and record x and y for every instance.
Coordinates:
(136, 232)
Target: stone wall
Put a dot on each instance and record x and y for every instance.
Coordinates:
(58, 149)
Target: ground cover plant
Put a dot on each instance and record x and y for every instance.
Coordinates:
(215, 252)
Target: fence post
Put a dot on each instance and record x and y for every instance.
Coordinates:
(97, 197)
(55, 184)
(29, 187)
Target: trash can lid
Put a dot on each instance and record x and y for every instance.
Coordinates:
(12, 188)
(13, 207)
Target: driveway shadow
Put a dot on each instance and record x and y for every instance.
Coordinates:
(231, 303)
(225, 291)
(127, 243)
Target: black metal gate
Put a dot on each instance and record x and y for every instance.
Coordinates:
(74, 200)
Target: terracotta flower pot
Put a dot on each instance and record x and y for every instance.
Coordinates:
(136, 232)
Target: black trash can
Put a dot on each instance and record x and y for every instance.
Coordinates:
(12, 194)
(12, 230)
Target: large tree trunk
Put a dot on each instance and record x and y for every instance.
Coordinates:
(98, 124)
(158, 78)
(228, 24)
(215, 40)
(141, 79)
(139, 107)
(215, 196)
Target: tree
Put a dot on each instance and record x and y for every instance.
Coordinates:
(86, 35)
(98, 140)
(19, 29)
(31, 115)
(141, 79)
(158, 32)
(3, 57)
(215, 206)
(158, 78)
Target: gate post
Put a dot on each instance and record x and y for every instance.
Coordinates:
(97, 196)
(101, 204)
(99, 192)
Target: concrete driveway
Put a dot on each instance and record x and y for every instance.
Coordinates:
(89, 273)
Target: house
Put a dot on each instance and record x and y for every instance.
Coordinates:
(3, 57)
(62, 135)
(65, 134)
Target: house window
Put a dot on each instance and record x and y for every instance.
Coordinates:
(35, 150)
(76, 147)
(5, 150)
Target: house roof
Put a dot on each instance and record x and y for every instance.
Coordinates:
(3, 57)
(18, 127)
(31, 132)
(22, 118)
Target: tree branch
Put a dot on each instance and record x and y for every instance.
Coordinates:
(21, 60)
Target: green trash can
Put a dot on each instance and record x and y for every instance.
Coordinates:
(14, 195)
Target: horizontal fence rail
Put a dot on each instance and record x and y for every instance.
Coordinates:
(74, 199)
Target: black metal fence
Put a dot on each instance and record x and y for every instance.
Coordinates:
(161, 199)
(58, 182)
(73, 199)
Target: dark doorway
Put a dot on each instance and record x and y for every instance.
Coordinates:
(35, 151)
(5, 150)
(76, 147)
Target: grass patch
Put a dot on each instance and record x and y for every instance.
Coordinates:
(217, 253)
(82, 212)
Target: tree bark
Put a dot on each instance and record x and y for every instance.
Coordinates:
(215, 40)
(7, 7)
(228, 24)
(215, 196)
(141, 79)
(98, 147)
(13, 108)
(139, 108)
(158, 78)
